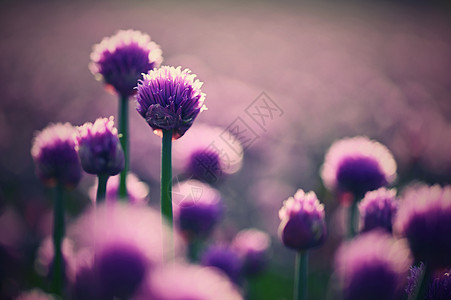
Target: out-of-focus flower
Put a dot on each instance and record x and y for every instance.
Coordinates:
(197, 208)
(54, 155)
(424, 218)
(373, 266)
(252, 245)
(99, 148)
(170, 99)
(302, 221)
(137, 190)
(35, 294)
(225, 259)
(182, 282)
(120, 60)
(208, 153)
(127, 241)
(378, 209)
(358, 165)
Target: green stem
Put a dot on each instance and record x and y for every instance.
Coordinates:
(352, 217)
(58, 235)
(166, 185)
(193, 249)
(101, 188)
(123, 131)
(422, 288)
(300, 276)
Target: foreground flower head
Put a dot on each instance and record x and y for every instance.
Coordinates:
(372, 266)
(224, 258)
(120, 60)
(137, 191)
(252, 245)
(378, 209)
(303, 223)
(198, 208)
(35, 294)
(170, 99)
(358, 165)
(54, 155)
(424, 218)
(99, 148)
(182, 282)
(208, 153)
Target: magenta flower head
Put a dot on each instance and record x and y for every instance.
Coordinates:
(373, 266)
(424, 218)
(198, 208)
(252, 245)
(120, 60)
(303, 224)
(99, 148)
(170, 99)
(225, 259)
(54, 155)
(183, 282)
(378, 209)
(358, 165)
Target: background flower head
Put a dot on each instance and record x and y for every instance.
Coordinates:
(378, 208)
(55, 156)
(358, 165)
(303, 224)
(226, 259)
(99, 148)
(372, 266)
(170, 99)
(424, 218)
(120, 60)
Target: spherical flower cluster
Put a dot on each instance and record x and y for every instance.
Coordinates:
(378, 209)
(197, 208)
(170, 99)
(358, 165)
(303, 223)
(424, 218)
(99, 148)
(182, 282)
(225, 259)
(252, 245)
(54, 155)
(120, 60)
(373, 266)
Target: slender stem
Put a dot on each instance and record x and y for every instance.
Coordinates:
(300, 276)
(422, 288)
(58, 235)
(352, 217)
(166, 185)
(193, 249)
(101, 188)
(123, 131)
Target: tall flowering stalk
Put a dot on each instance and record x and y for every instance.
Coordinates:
(354, 166)
(57, 165)
(100, 151)
(119, 61)
(169, 99)
(302, 227)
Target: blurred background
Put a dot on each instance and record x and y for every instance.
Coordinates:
(326, 70)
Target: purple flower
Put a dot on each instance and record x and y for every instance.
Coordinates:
(183, 282)
(35, 294)
(138, 191)
(438, 286)
(198, 208)
(225, 259)
(54, 155)
(414, 278)
(424, 218)
(170, 99)
(99, 148)
(358, 165)
(252, 245)
(120, 60)
(302, 221)
(378, 209)
(372, 266)
(205, 153)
